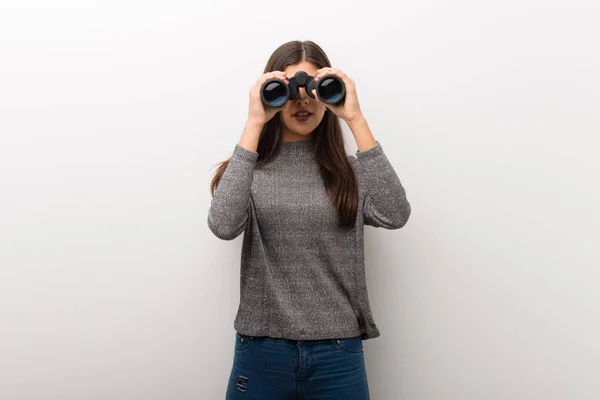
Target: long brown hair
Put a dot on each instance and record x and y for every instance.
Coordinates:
(336, 171)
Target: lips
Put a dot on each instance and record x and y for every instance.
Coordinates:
(302, 114)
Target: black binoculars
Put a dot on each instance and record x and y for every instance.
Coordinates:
(275, 92)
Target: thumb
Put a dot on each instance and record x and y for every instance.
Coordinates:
(314, 92)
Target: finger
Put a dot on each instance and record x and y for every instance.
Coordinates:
(263, 78)
(314, 92)
(271, 75)
(338, 72)
(281, 75)
(333, 71)
(322, 72)
(345, 78)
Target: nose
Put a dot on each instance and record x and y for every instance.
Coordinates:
(302, 97)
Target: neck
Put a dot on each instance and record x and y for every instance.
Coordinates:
(297, 150)
(289, 136)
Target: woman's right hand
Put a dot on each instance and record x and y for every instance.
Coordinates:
(258, 112)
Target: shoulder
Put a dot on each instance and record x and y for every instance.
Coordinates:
(353, 160)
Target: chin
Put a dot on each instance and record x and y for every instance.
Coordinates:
(304, 131)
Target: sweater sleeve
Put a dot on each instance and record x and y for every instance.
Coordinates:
(385, 204)
(230, 208)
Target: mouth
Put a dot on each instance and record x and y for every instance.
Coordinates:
(302, 116)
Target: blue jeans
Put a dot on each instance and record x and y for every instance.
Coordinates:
(266, 368)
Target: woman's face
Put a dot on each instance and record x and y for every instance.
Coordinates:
(295, 127)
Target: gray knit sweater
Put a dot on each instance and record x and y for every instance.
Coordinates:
(302, 277)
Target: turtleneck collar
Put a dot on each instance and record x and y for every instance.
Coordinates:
(302, 149)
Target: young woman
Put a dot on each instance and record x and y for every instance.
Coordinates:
(302, 204)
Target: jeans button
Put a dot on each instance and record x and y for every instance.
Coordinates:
(338, 341)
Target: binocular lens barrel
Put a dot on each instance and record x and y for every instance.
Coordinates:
(330, 90)
(275, 92)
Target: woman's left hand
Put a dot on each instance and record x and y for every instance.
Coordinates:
(349, 110)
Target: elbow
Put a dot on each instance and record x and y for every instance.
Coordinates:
(402, 216)
(222, 229)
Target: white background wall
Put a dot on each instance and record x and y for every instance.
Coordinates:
(113, 115)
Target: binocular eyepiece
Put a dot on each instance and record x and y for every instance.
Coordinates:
(275, 92)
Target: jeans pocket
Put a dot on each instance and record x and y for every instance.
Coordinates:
(242, 342)
(349, 345)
